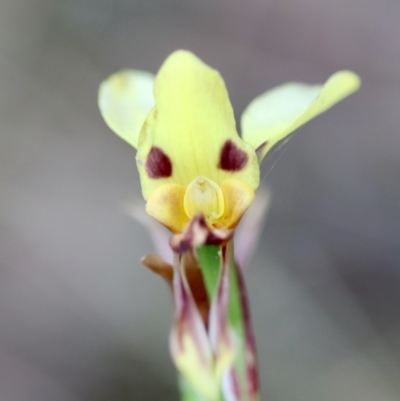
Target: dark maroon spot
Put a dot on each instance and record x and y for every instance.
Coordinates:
(232, 158)
(158, 164)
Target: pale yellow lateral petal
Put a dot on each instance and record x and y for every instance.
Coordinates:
(125, 99)
(275, 114)
(193, 125)
(238, 197)
(166, 205)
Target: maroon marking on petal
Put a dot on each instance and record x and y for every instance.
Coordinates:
(232, 158)
(158, 164)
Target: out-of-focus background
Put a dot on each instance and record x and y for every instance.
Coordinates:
(80, 318)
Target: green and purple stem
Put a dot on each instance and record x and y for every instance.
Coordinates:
(215, 354)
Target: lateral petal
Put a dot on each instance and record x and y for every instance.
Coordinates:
(275, 114)
(125, 99)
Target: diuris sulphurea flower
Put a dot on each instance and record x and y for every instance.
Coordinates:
(198, 177)
(189, 154)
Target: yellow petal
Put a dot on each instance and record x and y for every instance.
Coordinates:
(192, 128)
(238, 197)
(125, 99)
(166, 205)
(275, 114)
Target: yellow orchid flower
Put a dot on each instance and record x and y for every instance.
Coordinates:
(189, 154)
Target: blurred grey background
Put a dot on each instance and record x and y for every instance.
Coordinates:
(80, 318)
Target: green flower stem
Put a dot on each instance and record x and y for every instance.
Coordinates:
(211, 265)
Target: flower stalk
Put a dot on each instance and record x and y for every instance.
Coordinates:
(214, 351)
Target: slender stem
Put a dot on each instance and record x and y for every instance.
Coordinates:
(211, 259)
(210, 264)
